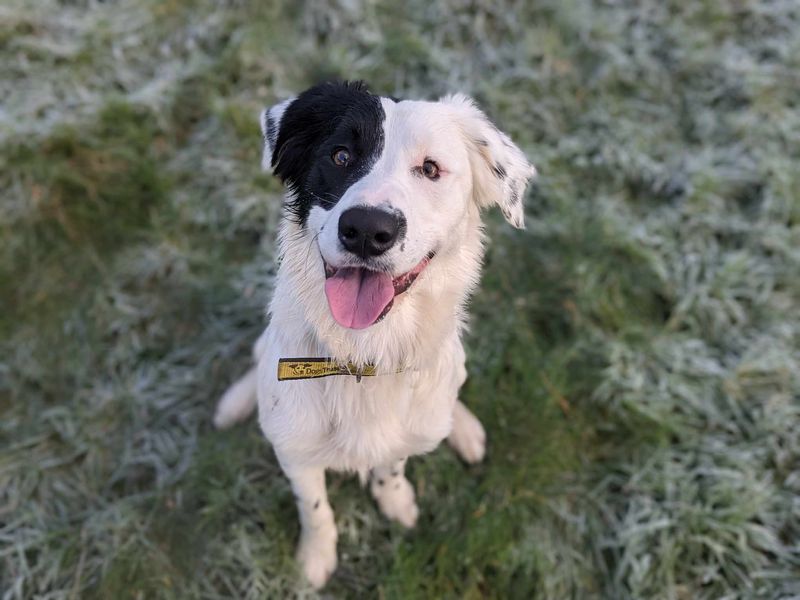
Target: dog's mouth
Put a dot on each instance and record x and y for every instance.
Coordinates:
(359, 297)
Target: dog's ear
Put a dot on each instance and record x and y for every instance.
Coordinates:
(270, 120)
(500, 170)
(295, 128)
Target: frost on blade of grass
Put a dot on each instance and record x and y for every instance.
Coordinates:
(639, 386)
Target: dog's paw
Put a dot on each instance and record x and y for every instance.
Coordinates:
(317, 554)
(468, 437)
(395, 497)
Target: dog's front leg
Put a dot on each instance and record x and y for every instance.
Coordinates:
(394, 493)
(317, 549)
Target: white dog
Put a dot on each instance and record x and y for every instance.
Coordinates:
(380, 247)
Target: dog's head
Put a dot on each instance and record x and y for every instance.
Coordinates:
(383, 187)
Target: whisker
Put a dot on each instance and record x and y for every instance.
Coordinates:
(320, 198)
(310, 245)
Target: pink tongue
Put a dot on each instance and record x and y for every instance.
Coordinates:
(357, 296)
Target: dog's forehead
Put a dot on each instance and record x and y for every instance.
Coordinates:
(421, 124)
(410, 111)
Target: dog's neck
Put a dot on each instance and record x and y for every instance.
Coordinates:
(409, 337)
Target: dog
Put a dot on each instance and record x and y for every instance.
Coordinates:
(380, 246)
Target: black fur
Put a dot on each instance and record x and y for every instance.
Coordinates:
(499, 171)
(271, 133)
(322, 119)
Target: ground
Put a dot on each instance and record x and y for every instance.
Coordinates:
(634, 354)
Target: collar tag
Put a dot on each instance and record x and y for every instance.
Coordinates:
(290, 369)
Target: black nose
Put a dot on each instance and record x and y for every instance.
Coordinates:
(368, 231)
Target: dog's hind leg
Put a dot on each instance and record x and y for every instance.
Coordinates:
(394, 493)
(468, 437)
(317, 549)
(237, 402)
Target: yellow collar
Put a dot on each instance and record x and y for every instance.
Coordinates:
(290, 369)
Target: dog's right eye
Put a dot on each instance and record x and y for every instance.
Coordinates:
(340, 157)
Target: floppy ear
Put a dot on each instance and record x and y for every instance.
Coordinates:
(500, 170)
(270, 120)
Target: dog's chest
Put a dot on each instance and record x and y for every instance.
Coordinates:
(386, 420)
(342, 423)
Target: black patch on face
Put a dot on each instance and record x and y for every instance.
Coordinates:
(499, 171)
(321, 120)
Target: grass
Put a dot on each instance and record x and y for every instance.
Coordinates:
(639, 385)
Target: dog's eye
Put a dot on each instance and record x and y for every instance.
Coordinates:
(430, 170)
(340, 157)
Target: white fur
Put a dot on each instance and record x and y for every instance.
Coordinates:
(270, 120)
(373, 425)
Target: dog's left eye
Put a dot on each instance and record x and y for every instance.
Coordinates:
(429, 170)
(340, 157)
